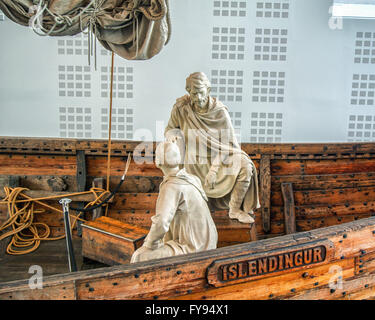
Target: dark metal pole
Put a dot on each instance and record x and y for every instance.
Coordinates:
(69, 244)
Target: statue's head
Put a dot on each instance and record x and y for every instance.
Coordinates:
(167, 154)
(199, 88)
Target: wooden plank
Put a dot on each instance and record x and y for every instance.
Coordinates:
(367, 293)
(97, 166)
(289, 213)
(135, 201)
(328, 197)
(265, 191)
(312, 211)
(133, 184)
(325, 181)
(349, 286)
(37, 165)
(321, 167)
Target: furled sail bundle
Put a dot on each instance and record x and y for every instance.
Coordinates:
(133, 29)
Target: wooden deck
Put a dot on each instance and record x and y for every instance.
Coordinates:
(51, 256)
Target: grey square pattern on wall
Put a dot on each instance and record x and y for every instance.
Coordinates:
(236, 118)
(228, 43)
(229, 8)
(365, 47)
(268, 87)
(361, 128)
(122, 126)
(75, 45)
(105, 52)
(75, 122)
(74, 81)
(270, 44)
(123, 82)
(363, 90)
(266, 127)
(272, 9)
(227, 85)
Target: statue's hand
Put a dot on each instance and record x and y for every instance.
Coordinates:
(210, 180)
(137, 255)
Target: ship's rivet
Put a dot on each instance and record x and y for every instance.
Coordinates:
(178, 272)
(305, 275)
(345, 236)
(332, 290)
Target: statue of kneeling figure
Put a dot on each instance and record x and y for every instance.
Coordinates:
(182, 223)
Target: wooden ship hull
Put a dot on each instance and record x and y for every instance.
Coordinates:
(314, 236)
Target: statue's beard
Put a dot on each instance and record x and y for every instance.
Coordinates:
(201, 103)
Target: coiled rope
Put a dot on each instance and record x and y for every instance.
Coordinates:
(26, 233)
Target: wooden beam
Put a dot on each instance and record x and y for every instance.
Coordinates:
(25, 145)
(81, 181)
(289, 212)
(265, 191)
(253, 233)
(98, 212)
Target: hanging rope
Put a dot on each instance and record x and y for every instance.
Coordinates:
(110, 126)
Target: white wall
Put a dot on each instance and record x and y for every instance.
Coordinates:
(314, 75)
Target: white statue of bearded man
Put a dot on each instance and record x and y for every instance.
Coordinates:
(212, 152)
(182, 223)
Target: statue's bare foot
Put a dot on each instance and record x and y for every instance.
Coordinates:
(241, 216)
